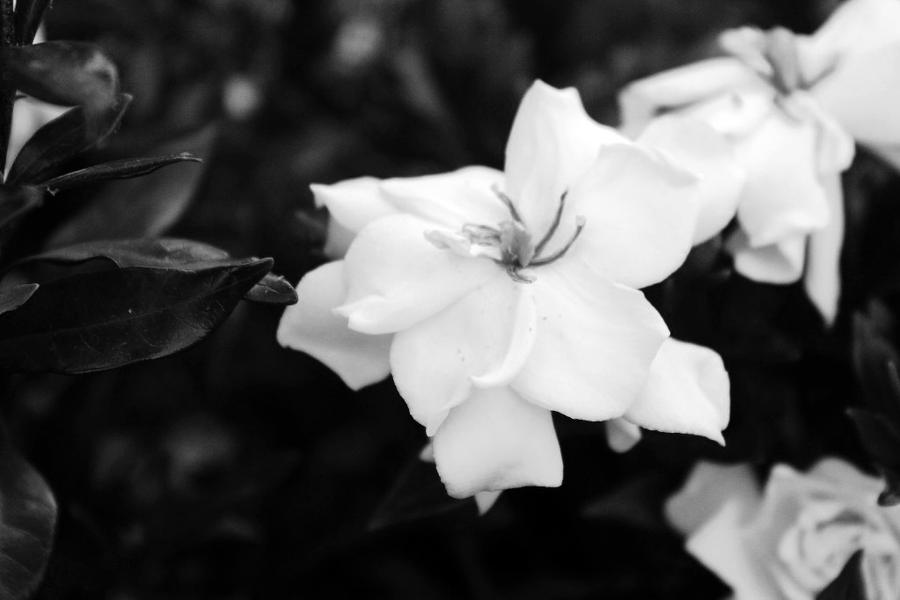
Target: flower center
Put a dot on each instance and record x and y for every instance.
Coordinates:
(509, 244)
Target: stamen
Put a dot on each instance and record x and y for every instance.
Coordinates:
(553, 225)
(508, 202)
(579, 226)
(481, 234)
(518, 276)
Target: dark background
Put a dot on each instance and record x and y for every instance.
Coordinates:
(241, 470)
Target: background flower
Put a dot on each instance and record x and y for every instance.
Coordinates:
(793, 538)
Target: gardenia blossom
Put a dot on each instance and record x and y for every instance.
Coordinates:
(794, 538)
(791, 106)
(494, 298)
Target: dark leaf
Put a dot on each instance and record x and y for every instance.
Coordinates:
(62, 139)
(165, 253)
(416, 494)
(29, 14)
(635, 502)
(65, 73)
(15, 296)
(875, 361)
(117, 169)
(273, 289)
(106, 319)
(141, 207)
(15, 203)
(849, 585)
(27, 523)
(881, 439)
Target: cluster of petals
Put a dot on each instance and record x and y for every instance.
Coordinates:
(792, 539)
(792, 106)
(495, 297)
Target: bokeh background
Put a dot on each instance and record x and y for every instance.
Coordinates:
(242, 470)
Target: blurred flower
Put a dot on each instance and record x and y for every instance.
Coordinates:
(790, 541)
(496, 297)
(790, 105)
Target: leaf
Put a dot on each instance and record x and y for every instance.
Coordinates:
(65, 73)
(881, 439)
(416, 494)
(875, 361)
(849, 585)
(273, 289)
(15, 203)
(15, 296)
(165, 253)
(106, 319)
(29, 14)
(117, 169)
(64, 138)
(27, 523)
(142, 207)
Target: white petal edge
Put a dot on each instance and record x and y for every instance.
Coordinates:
(496, 441)
(434, 362)
(594, 345)
(622, 435)
(353, 203)
(778, 263)
(311, 327)
(397, 278)
(822, 279)
(687, 391)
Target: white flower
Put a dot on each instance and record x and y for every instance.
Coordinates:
(494, 298)
(790, 541)
(790, 105)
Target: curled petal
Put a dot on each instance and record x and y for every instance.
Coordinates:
(640, 213)
(622, 435)
(450, 199)
(433, 362)
(822, 279)
(397, 278)
(707, 154)
(553, 141)
(353, 203)
(783, 195)
(310, 326)
(486, 500)
(687, 392)
(855, 27)
(708, 487)
(646, 98)
(594, 344)
(781, 262)
(862, 94)
(496, 441)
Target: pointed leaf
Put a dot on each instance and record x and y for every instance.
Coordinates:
(27, 523)
(116, 169)
(29, 14)
(168, 253)
(15, 296)
(106, 319)
(63, 138)
(849, 584)
(141, 207)
(65, 73)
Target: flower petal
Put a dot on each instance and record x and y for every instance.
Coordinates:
(783, 195)
(622, 435)
(707, 154)
(486, 500)
(640, 213)
(311, 327)
(553, 141)
(822, 279)
(781, 262)
(687, 392)
(594, 345)
(353, 203)
(707, 488)
(644, 99)
(433, 362)
(496, 441)
(863, 93)
(397, 278)
(450, 199)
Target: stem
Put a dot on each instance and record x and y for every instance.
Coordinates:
(7, 89)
